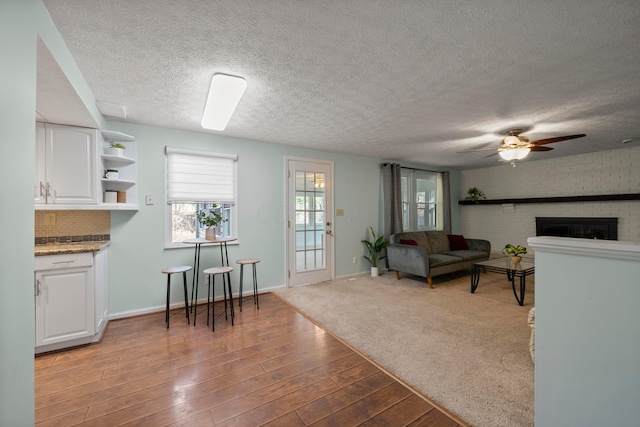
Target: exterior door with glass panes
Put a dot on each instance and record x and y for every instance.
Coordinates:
(310, 222)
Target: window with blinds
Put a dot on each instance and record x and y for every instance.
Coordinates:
(198, 180)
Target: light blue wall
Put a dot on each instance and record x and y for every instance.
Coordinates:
(17, 118)
(137, 251)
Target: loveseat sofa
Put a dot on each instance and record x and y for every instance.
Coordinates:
(433, 253)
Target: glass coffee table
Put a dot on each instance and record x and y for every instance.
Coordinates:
(512, 270)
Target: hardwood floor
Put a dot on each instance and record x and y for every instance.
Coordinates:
(274, 367)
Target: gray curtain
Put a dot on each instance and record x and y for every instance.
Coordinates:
(392, 199)
(446, 202)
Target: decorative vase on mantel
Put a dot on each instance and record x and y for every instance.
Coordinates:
(210, 234)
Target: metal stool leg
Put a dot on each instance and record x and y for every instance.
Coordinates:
(241, 280)
(255, 287)
(209, 278)
(233, 315)
(166, 314)
(213, 316)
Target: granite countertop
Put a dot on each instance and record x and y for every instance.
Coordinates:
(69, 248)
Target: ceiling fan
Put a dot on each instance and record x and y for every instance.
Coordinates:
(516, 146)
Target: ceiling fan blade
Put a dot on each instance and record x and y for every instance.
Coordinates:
(538, 148)
(480, 149)
(556, 139)
(491, 155)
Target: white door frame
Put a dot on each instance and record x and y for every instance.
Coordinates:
(329, 218)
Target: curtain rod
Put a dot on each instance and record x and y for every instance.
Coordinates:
(415, 169)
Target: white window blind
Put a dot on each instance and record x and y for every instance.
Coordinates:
(200, 176)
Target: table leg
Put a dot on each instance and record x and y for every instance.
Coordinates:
(519, 298)
(475, 278)
(196, 271)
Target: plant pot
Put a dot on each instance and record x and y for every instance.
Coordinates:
(119, 152)
(210, 234)
(516, 259)
(374, 271)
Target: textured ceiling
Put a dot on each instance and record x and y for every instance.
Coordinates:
(408, 80)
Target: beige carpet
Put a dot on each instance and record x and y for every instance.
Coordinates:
(467, 352)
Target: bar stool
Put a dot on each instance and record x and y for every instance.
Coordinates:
(253, 262)
(169, 271)
(226, 286)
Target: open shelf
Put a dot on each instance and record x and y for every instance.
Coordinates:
(117, 184)
(564, 199)
(118, 160)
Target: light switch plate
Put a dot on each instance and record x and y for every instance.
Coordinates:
(151, 200)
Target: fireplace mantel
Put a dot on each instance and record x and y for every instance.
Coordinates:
(563, 199)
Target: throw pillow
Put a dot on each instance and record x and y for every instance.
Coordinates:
(457, 242)
(408, 242)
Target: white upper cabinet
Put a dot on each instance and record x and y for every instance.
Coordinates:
(65, 165)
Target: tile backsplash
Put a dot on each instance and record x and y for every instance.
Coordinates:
(72, 226)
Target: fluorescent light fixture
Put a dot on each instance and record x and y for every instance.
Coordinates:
(515, 153)
(224, 95)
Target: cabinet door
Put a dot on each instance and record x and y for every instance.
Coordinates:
(70, 164)
(40, 183)
(64, 305)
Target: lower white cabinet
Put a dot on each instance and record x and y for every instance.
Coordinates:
(70, 299)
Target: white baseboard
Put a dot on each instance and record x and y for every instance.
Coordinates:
(176, 305)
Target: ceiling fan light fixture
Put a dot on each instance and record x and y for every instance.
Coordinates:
(224, 95)
(511, 141)
(515, 153)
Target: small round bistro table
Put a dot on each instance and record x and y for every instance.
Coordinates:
(198, 242)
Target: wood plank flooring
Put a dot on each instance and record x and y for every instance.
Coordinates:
(274, 368)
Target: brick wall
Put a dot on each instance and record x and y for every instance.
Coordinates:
(606, 172)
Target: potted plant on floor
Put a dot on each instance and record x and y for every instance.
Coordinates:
(375, 247)
(515, 252)
(211, 219)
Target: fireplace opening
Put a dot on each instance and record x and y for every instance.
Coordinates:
(584, 228)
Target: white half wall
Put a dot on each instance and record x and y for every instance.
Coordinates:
(587, 332)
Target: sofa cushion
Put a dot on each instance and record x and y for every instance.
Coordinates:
(437, 260)
(408, 242)
(439, 241)
(457, 242)
(468, 255)
(419, 236)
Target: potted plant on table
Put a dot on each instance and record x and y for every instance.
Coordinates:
(211, 219)
(375, 247)
(515, 252)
